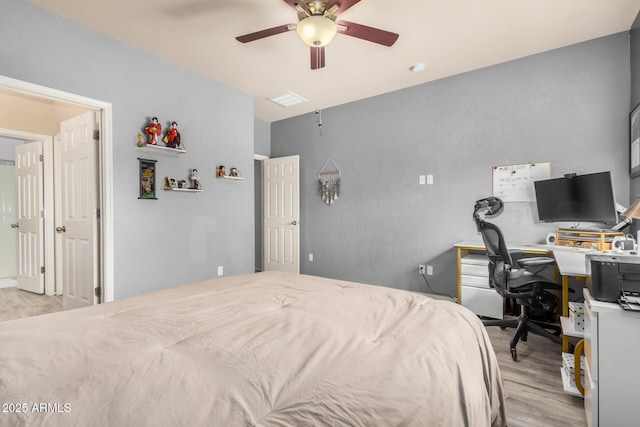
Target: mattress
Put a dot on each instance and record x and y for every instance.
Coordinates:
(265, 349)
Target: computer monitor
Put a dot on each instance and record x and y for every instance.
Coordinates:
(577, 198)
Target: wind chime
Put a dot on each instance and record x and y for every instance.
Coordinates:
(329, 182)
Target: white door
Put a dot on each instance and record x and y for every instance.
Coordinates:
(8, 220)
(30, 217)
(281, 214)
(77, 224)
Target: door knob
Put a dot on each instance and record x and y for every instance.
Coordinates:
(294, 223)
(16, 225)
(61, 229)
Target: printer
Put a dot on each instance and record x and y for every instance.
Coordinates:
(610, 274)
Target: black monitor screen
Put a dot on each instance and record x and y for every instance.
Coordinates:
(586, 198)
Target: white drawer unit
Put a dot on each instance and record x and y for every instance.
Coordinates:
(475, 292)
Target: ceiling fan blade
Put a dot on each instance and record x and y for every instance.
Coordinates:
(343, 5)
(317, 57)
(375, 35)
(266, 33)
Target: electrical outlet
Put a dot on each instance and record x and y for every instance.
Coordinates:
(421, 269)
(220, 270)
(429, 270)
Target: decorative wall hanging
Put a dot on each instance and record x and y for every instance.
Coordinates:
(329, 182)
(147, 179)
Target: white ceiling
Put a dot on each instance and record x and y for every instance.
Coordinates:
(448, 36)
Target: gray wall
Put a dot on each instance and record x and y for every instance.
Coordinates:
(182, 237)
(568, 106)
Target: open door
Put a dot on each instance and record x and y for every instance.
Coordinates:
(281, 214)
(30, 217)
(77, 225)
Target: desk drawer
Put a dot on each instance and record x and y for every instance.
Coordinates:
(474, 270)
(475, 260)
(475, 281)
(483, 302)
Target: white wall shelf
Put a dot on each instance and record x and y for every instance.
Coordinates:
(182, 189)
(232, 177)
(165, 149)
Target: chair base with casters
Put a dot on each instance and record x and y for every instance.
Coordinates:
(518, 280)
(523, 325)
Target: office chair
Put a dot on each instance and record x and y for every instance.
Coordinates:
(519, 281)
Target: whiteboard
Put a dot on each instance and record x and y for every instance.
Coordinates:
(514, 183)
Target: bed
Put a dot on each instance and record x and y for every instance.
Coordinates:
(265, 349)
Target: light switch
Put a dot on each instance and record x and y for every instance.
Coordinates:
(310, 257)
(421, 179)
(429, 179)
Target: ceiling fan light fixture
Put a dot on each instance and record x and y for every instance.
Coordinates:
(317, 30)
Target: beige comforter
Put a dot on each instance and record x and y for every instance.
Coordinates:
(267, 349)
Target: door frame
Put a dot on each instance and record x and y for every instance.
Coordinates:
(105, 172)
(259, 240)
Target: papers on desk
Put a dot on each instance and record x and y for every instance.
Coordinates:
(630, 301)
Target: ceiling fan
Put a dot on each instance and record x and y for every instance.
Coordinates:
(317, 26)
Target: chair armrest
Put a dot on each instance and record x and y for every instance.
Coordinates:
(536, 262)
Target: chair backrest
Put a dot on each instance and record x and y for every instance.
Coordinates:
(500, 261)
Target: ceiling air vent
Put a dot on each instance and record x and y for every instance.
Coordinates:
(288, 99)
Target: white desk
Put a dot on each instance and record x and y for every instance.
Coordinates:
(570, 260)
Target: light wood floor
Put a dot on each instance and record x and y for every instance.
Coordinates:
(533, 384)
(16, 304)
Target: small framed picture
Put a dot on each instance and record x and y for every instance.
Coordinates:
(171, 182)
(147, 179)
(634, 142)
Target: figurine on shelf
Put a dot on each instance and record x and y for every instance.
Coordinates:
(235, 172)
(183, 183)
(172, 137)
(222, 171)
(195, 180)
(154, 129)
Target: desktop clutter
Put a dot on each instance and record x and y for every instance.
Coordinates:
(612, 263)
(611, 257)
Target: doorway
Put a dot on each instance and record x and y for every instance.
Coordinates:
(65, 102)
